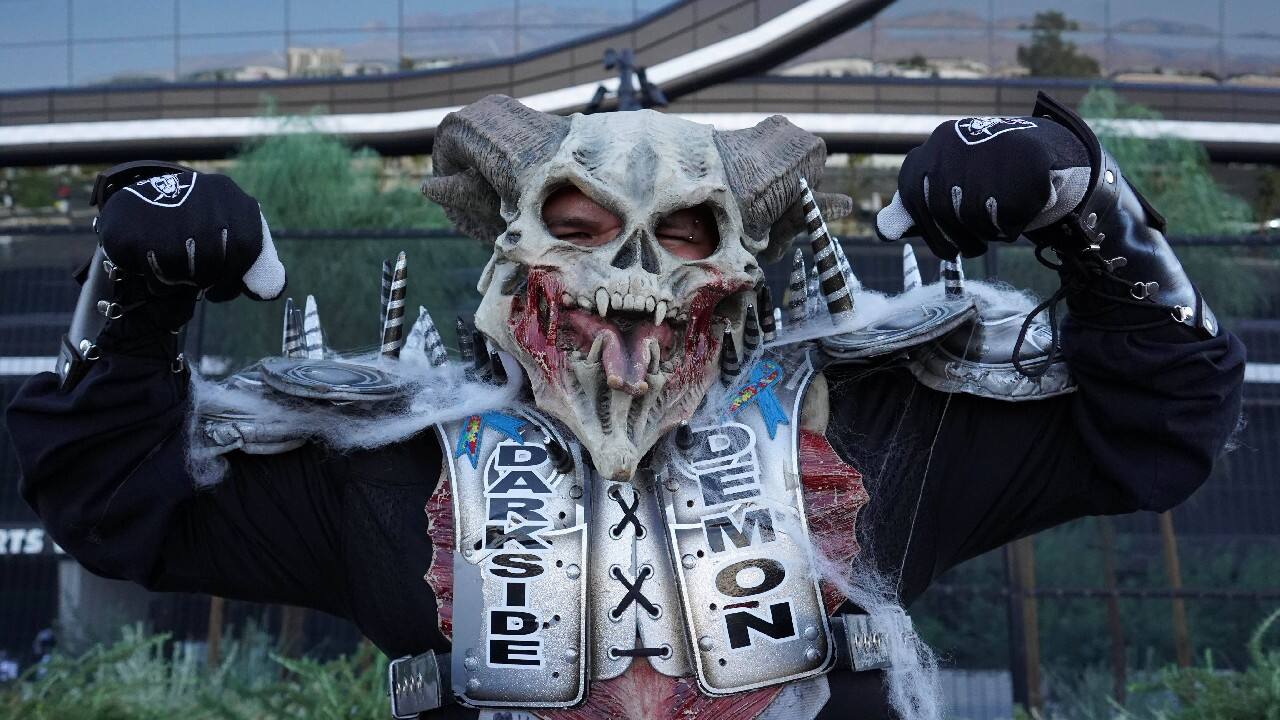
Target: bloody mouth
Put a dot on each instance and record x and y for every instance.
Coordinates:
(629, 342)
(628, 363)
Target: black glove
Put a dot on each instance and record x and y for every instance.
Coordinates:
(987, 178)
(187, 231)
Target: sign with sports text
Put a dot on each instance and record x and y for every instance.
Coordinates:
(519, 618)
(735, 519)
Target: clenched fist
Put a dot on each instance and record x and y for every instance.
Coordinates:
(980, 179)
(193, 231)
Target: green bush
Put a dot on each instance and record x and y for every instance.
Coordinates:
(147, 677)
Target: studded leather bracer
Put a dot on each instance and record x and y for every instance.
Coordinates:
(1118, 269)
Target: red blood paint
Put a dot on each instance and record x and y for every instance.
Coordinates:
(642, 693)
(527, 329)
(833, 495)
(440, 572)
(621, 355)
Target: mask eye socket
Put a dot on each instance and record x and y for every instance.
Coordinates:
(570, 215)
(689, 234)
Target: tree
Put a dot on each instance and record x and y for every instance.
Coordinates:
(1049, 55)
(308, 180)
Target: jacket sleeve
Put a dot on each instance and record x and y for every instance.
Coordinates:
(952, 476)
(104, 466)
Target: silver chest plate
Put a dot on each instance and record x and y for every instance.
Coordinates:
(519, 574)
(699, 565)
(734, 514)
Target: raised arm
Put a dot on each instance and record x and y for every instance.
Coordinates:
(103, 444)
(1159, 383)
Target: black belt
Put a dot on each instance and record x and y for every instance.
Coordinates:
(421, 683)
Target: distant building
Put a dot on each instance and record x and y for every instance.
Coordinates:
(314, 62)
(238, 74)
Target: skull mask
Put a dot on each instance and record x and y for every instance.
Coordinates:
(619, 339)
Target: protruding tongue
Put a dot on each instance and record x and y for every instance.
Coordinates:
(625, 358)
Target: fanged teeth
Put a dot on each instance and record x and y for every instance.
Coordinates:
(593, 356)
(603, 301)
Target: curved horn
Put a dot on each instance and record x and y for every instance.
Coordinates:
(764, 164)
(480, 155)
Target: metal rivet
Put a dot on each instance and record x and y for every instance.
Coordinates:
(688, 561)
(812, 654)
(571, 655)
(705, 644)
(467, 552)
(473, 684)
(1110, 176)
(810, 632)
(573, 572)
(575, 492)
(470, 663)
(1091, 219)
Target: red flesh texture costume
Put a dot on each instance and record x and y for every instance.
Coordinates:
(833, 496)
(619, 353)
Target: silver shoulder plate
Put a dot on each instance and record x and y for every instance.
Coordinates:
(977, 359)
(333, 380)
(901, 329)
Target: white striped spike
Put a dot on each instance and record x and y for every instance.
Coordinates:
(393, 326)
(385, 296)
(910, 270)
(952, 278)
(768, 321)
(797, 296)
(750, 334)
(849, 278)
(829, 272)
(425, 338)
(291, 340)
(730, 363)
(815, 303)
(312, 335)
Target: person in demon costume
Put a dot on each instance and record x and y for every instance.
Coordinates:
(643, 492)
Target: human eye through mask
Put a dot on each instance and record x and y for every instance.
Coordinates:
(625, 245)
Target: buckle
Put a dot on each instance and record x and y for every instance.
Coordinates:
(112, 310)
(414, 684)
(1143, 290)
